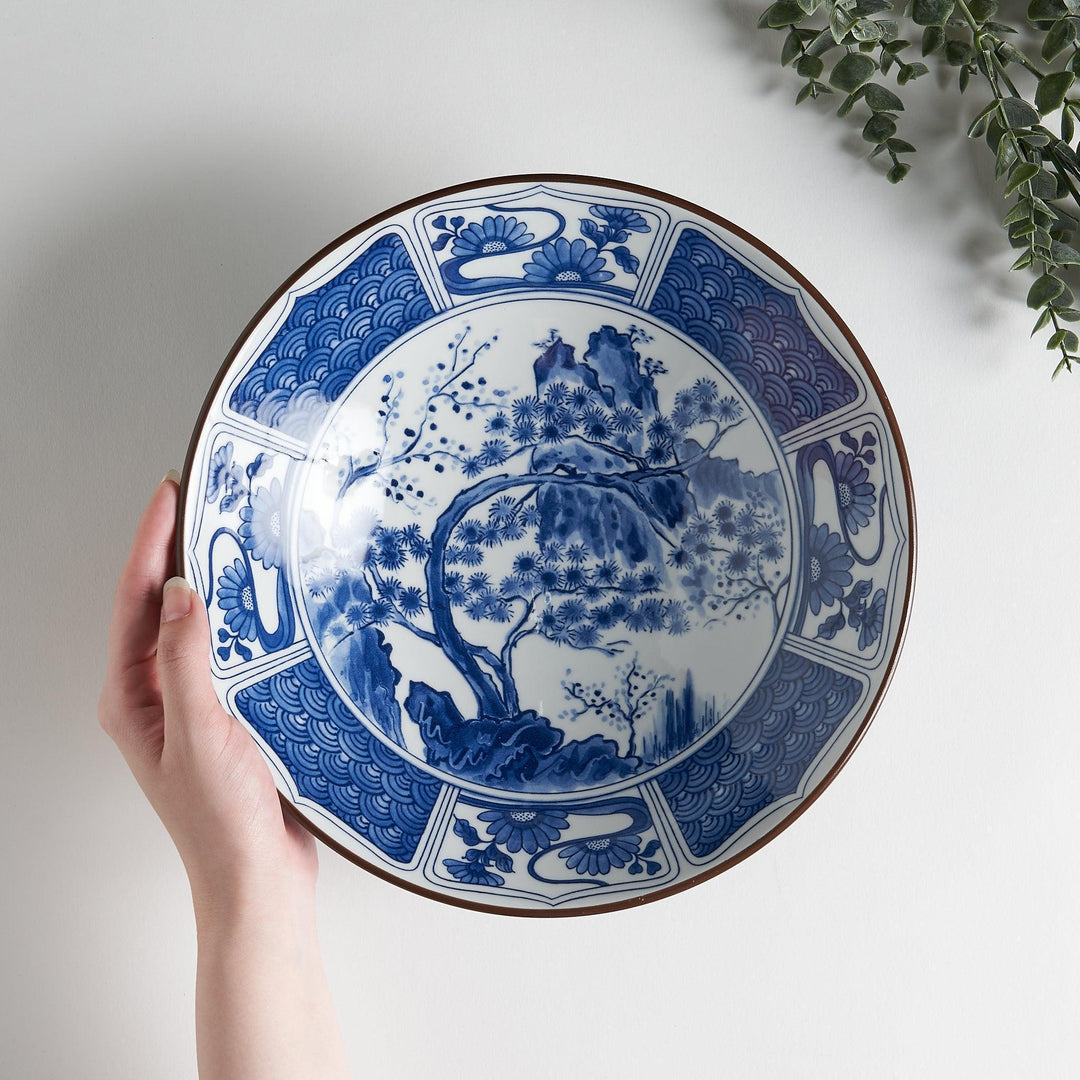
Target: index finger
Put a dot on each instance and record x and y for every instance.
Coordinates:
(136, 615)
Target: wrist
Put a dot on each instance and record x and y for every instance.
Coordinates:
(247, 902)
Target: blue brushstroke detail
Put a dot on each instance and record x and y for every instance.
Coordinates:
(335, 761)
(754, 329)
(762, 754)
(330, 334)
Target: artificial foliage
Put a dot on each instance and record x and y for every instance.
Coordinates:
(855, 48)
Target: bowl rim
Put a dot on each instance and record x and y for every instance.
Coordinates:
(798, 809)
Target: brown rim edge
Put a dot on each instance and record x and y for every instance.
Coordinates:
(653, 193)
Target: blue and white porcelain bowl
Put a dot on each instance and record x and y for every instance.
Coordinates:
(557, 541)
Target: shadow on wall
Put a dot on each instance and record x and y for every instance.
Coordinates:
(951, 192)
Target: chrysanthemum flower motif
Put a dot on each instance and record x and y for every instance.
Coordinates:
(473, 873)
(600, 854)
(492, 236)
(236, 598)
(561, 262)
(873, 620)
(523, 829)
(854, 492)
(620, 217)
(827, 568)
(261, 524)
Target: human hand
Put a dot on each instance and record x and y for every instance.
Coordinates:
(200, 769)
(252, 869)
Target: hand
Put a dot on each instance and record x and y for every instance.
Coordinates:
(252, 870)
(200, 769)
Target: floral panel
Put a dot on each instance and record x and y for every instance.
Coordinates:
(552, 852)
(851, 542)
(540, 239)
(239, 553)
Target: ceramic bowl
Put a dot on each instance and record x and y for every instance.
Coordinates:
(556, 539)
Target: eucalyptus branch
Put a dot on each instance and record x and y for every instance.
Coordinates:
(1040, 167)
(869, 46)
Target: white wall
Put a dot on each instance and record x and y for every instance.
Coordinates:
(165, 168)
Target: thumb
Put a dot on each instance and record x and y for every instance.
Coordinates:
(190, 704)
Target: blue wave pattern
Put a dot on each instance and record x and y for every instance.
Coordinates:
(762, 754)
(337, 762)
(754, 329)
(329, 335)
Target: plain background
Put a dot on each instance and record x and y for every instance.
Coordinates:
(165, 168)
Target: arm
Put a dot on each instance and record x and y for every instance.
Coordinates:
(262, 1005)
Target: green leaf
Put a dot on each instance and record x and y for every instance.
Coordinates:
(1046, 10)
(809, 6)
(821, 44)
(782, 13)
(933, 39)
(810, 67)
(958, 53)
(1056, 339)
(847, 105)
(839, 22)
(1045, 185)
(851, 71)
(909, 72)
(1068, 126)
(1023, 262)
(1021, 174)
(932, 12)
(1063, 365)
(1041, 321)
(1018, 113)
(1065, 156)
(982, 121)
(1065, 340)
(879, 128)
(1064, 255)
(867, 30)
(899, 146)
(898, 172)
(965, 77)
(1024, 229)
(865, 8)
(896, 46)
(1044, 290)
(792, 48)
(1020, 212)
(1004, 161)
(881, 99)
(1069, 314)
(804, 93)
(983, 10)
(1035, 140)
(1074, 63)
(1051, 91)
(1061, 36)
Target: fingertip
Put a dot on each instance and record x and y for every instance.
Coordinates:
(177, 599)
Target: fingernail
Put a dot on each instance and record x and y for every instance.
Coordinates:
(172, 475)
(176, 599)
